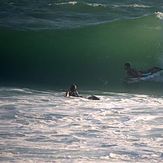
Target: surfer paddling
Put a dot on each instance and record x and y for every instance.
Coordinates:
(133, 73)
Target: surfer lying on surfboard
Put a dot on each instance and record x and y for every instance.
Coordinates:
(133, 73)
(72, 91)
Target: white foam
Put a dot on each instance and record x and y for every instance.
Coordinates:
(139, 6)
(46, 126)
(96, 5)
(159, 15)
(67, 3)
(133, 6)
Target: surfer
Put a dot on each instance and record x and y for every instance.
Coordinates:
(72, 91)
(133, 73)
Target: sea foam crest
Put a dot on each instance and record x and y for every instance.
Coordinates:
(96, 4)
(132, 6)
(159, 15)
(67, 3)
(138, 6)
(75, 2)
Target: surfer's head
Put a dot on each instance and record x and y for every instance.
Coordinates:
(73, 87)
(127, 66)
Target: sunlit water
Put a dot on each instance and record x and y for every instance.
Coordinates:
(45, 126)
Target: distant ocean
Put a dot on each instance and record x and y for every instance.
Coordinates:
(45, 46)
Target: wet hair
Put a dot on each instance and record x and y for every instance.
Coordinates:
(127, 65)
(73, 87)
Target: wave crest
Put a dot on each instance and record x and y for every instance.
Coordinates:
(96, 5)
(132, 6)
(67, 3)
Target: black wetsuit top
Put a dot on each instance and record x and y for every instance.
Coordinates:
(133, 73)
(72, 93)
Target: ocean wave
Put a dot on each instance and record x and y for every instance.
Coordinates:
(102, 5)
(96, 4)
(67, 3)
(64, 14)
(132, 6)
(139, 6)
(159, 15)
(81, 3)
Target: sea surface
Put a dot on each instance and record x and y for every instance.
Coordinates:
(56, 43)
(45, 126)
(45, 46)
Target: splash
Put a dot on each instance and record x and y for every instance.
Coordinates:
(159, 15)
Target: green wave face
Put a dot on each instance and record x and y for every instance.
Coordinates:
(91, 56)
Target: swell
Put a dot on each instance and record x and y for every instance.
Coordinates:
(36, 15)
(90, 56)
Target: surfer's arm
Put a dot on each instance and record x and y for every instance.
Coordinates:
(154, 69)
(139, 73)
(67, 94)
(77, 94)
(134, 73)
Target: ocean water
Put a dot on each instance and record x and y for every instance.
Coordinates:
(47, 45)
(45, 126)
(56, 43)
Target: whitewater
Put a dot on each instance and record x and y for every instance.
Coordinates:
(45, 126)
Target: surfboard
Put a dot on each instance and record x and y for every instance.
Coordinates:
(145, 77)
(93, 97)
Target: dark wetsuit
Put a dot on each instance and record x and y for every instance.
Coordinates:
(133, 73)
(74, 93)
(154, 69)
